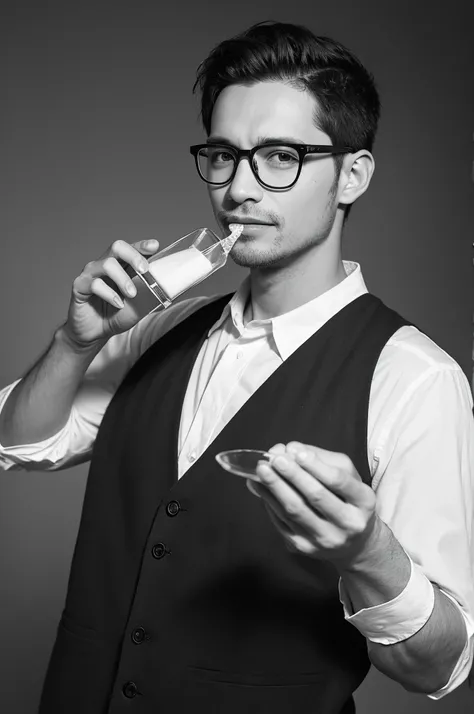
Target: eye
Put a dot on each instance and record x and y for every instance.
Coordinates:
(220, 157)
(284, 157)
(280, 158)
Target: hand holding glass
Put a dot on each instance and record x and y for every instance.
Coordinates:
(178, 267)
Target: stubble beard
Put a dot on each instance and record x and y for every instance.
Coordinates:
(247, 253)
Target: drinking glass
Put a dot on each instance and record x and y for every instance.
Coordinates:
(177, 268)
(243, 462)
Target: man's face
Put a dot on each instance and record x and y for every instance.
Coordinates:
(301, 217)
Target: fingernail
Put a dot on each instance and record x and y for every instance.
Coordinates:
(142, 268)
(118, 301)
(302, 456)
(131, 289)
(264, 470)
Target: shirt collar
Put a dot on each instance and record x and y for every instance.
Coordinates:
(293, 328)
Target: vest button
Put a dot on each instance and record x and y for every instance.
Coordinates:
(138, 635)
(130, 690)
(158, 550)
(173, 508)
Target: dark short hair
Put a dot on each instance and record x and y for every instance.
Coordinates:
(348, 104)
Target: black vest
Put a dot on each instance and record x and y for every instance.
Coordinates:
(182, 595)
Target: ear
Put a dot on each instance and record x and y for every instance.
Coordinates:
(356, 174)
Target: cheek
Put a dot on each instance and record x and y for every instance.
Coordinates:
(321, 184)
(305, 207)
(316, 195)
(216, 196)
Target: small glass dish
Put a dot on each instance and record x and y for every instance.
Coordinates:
(243, 462)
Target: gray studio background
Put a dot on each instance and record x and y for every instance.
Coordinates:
(96, 126)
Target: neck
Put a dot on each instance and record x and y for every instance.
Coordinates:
(277, 290)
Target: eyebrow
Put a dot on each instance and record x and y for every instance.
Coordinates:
(261, 140)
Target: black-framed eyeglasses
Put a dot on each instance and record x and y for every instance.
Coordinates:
(274, 164)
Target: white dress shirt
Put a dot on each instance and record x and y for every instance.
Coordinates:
(420, 442)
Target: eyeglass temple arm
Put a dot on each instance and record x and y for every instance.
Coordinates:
(320, 149)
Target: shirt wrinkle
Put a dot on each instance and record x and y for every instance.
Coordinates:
(236, 358)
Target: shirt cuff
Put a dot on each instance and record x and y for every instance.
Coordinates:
(397, 619)
(461, 671)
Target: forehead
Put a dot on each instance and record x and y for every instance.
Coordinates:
(243, 113)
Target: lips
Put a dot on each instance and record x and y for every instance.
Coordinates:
(255, 228)
(248, 221)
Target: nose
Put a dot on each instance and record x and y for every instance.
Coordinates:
(244, 185)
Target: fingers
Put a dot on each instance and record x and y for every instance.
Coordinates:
(331, 491)
(106, 292)
(146, 246)
(334, 470)
(277, 449)
(300, 492)
(289, 504)
(110, 277)
(295, 539)
(128, 254)
(143, 247)
(331, 459)
(338, 475)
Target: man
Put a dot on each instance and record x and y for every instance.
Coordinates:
(188, 589)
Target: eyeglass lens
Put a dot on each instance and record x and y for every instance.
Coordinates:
(276, 166)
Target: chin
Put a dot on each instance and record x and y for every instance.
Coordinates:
(247, 257)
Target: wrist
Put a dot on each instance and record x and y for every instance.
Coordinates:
(379, 572)
(397, 619)
(370, 554)
(64, 339)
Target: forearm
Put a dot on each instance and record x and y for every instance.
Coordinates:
(40, 404)
(425, 661)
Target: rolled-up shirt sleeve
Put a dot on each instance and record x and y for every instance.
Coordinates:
(73, 444)
(424, 484)
(69, 446)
